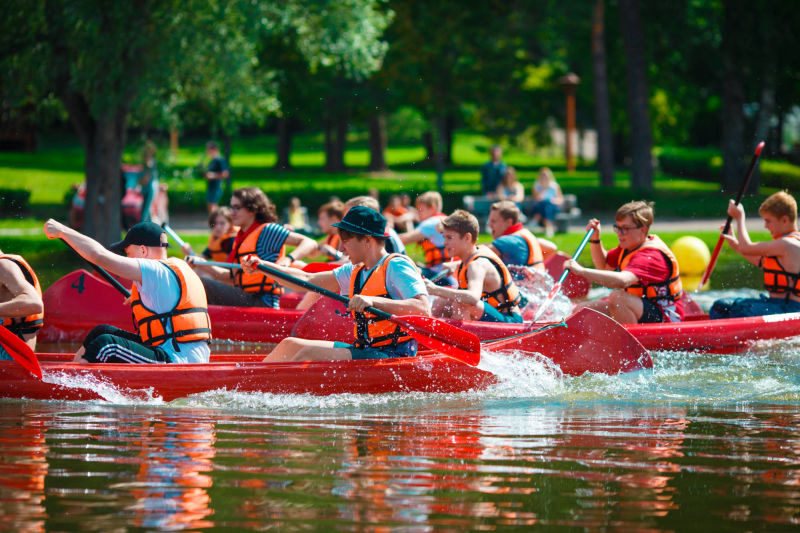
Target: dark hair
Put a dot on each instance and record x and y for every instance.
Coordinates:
(333, 209)
(254, 200)
(221, 211)
(347, 235)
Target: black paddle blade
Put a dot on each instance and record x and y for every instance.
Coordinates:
(442, 337)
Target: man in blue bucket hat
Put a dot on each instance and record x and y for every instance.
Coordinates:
(375, 278)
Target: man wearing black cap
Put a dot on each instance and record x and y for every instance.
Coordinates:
(167, 299)
(389, 282)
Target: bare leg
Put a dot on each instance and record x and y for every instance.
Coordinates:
(294, 349)
(623, 307)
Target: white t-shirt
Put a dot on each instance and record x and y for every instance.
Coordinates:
(160, 290)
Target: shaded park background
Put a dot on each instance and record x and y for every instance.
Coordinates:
(676, 93)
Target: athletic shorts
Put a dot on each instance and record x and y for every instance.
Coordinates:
(490, 314)
(108, 344)
(406, 349)
(741, 307)
(214, 191)
(651, 314)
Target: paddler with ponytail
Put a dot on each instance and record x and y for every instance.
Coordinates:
(642, 270)
(167, 300)
(778, 258)
(260, 235)
(21, 308)
(375, 278)
(485, 290)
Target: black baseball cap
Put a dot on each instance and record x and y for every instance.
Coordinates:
(144, 233)
(363, 220)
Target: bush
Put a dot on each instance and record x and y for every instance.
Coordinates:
(780, 175)
(14, 202)
(703, 164)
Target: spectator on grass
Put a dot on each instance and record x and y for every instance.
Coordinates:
(510, 188)
(548, 198)
(148, 180)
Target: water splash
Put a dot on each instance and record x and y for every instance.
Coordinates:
(107, 391)
(535, 286)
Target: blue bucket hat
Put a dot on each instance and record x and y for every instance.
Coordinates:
(362, 220)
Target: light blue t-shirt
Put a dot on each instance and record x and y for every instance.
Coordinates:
(393, 244)
(160, 290)
(512, 249)
(403, 280)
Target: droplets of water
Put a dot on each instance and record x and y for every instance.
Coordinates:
(535, 286)
(107, 391)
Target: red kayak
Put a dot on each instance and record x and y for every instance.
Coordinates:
(697, 333)
(80, 301)
(590, 342)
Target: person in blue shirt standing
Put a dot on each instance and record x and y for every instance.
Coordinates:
(492, 172)
(218, 171)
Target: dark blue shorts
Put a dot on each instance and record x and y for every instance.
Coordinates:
(406, 349)
(214, 191)
(741, 307)
(651, 314)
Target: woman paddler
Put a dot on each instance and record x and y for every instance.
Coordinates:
(375, 278)
(21, 308)
(642, 270)
(167, 300)
(260, 235)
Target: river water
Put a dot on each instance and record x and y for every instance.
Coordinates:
(699, 442)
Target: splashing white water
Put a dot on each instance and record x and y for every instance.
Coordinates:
(535, 286)
(104, 389)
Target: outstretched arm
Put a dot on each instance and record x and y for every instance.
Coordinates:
(94, 252)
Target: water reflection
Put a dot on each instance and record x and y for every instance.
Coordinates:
(449, 462)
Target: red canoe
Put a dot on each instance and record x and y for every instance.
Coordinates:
(698, 333)
(79, 301)
(589, 343)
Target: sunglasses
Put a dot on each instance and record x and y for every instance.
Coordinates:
(622, 230)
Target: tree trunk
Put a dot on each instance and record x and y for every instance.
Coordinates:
(335, 143)
(377, 143)
(733, 99)
(441, 135)
(602, 110)
(427, 142)
(284, 144)
(103, 143)
(638, 111)
(449, 132)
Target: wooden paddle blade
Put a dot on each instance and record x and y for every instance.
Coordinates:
(442, 337)
(20, 352)
(591, 342)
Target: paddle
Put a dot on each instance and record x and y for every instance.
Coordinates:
(20, 352)
(104, 273)
(561, 278)
(431, 332)
(727, 228)
(176, 237)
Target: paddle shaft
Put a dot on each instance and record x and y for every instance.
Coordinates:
(562, 277)
(104, 273)
(713, 261)
(175, 236)
(304, 284)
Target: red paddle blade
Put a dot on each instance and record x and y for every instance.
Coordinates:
(591, 342)
(442, 337)
(20, 352)
(313, 268)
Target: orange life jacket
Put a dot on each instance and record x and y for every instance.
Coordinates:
(535, 256)
(31, 323)
(651, 292)
(257, 281)
(509, 291)
(371, 331)
(215, 250)
(434, 255)
(189, 318)
(333, 239)
(776, 278)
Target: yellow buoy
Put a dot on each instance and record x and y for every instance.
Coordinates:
(692, 255)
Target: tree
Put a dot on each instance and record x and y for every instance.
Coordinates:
(602, 113)
(638, 103)
(103, 59)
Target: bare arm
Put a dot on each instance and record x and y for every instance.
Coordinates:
(418, 305)
(476, 275)
(94, 252)
(24, 299)
(412, 237)
(304, 246)
(606, 278)
(326, 280)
